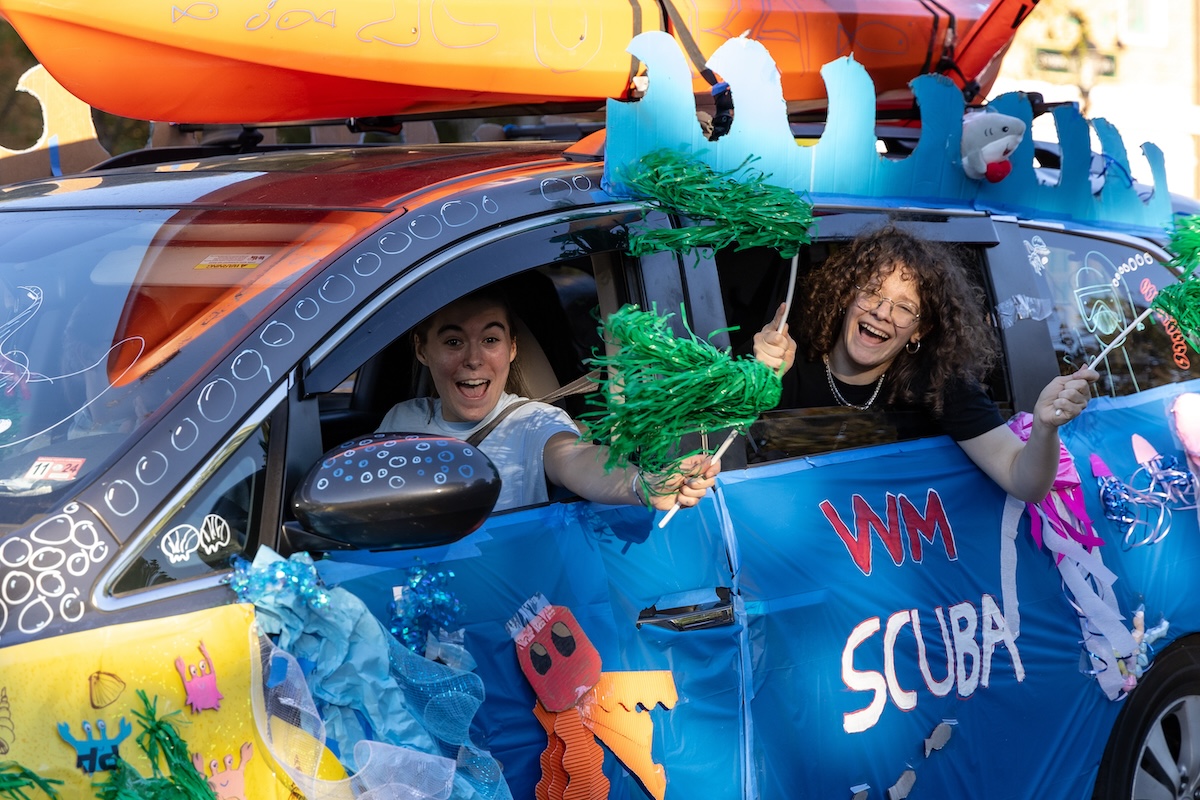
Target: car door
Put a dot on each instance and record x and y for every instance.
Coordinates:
(904, 631)
(654, 604)
(1078, 290)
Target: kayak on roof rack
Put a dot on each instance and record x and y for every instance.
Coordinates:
(247, 61)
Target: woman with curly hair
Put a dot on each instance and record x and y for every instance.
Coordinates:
(892, 321)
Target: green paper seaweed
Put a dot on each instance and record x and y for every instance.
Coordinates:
(1184, 244)
(15, 779)
(1179, 300)
(160, 741)
(743, 208)
(1182, 302)
(660, 387)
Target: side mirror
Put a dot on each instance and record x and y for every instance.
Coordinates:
(392, 491)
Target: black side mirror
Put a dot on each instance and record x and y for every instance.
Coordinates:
(390, 491)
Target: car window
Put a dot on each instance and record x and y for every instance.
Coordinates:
(210, 526)
(753, 283)
(556, 308)
(1096, 289)
(106, 313)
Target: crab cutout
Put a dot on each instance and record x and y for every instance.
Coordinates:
(200, 683)
(228, 783)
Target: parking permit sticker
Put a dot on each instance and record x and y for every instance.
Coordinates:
(233, 261)
(54, 469)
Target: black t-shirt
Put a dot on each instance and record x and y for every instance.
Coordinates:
(967, 411)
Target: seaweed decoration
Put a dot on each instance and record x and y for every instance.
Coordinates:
(161, 742)
(1184, 245)
(1180, 300)
(743, 208)
(659, 387)
(16, 779)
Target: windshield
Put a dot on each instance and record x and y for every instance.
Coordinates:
(106, 313)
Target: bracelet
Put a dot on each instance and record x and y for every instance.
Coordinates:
(636, 487)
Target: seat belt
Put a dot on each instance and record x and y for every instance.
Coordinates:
(587, 383)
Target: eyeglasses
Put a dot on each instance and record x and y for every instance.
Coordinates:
(903, 314)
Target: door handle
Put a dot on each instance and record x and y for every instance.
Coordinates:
(700, 616)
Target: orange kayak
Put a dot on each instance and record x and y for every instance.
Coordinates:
(246, 61)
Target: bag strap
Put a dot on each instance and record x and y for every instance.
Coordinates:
(578, 386)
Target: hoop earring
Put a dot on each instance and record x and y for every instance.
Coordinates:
(910, 349)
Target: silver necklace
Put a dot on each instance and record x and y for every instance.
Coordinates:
(838, 395)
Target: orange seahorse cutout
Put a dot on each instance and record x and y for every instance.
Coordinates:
(577, 704)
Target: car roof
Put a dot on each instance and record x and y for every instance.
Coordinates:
(364, 177)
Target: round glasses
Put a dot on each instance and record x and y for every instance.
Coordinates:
(903, 314)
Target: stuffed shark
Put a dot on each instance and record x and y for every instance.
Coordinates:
(988, 139)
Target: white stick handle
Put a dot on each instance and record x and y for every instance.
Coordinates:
(1120, 340)
(662, 523)
(787, 303)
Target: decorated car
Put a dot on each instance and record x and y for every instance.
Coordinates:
(217, 578)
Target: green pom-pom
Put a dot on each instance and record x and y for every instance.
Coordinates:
(1184, 244)
(1182, 302)
(659, 387)
(743, 208)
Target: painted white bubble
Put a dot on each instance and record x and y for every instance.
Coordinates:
(277, 334)
(151, 468)
(121, 498)
(216, 400)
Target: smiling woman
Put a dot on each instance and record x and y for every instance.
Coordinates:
(470, 348)
(893, 319)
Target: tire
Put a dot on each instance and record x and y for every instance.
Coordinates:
(1153, 751)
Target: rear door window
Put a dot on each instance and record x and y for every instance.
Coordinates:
(1091, 290)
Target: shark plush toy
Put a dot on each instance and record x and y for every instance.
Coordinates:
(988, 139)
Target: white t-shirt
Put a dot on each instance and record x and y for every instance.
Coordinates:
(515, 446)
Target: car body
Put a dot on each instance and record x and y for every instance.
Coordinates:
(185, 342)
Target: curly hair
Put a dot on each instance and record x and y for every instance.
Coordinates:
(957, 341)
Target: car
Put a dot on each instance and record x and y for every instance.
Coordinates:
(196, 355)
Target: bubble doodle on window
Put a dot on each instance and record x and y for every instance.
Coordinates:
(307, 309)
(121, 498)
(277, 334)
(394, 243)
(555, 189)
(424, 226)
(185, 434)
(249, 364)
(457, 213)
(151, 468)
(367, 264)
(217, 400)
(18, 377)
(336, 289)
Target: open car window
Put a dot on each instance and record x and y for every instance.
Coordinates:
(753, 284)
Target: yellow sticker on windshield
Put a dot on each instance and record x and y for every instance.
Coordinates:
(233, 261)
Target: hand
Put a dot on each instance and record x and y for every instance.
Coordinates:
(687, 487)
(773, 346)
(1065, 397)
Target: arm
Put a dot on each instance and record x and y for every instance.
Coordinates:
(579, 466)
(1026, 470)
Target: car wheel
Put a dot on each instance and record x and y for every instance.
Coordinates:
(1153, 751)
